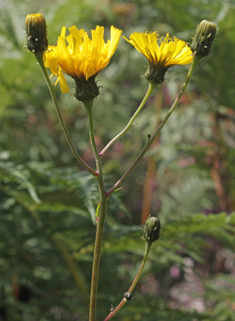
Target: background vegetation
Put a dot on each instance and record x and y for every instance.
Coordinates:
(187, 179)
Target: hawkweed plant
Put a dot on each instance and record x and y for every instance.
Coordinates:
(82, 59)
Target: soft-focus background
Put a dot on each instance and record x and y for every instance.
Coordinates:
(187, 179)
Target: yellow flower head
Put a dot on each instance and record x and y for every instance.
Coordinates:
(162, 53)
(79, 56)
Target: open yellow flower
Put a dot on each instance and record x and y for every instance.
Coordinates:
(162, 53)
(79, 56)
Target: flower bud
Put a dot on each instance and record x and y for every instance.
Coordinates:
(152, 229)
(203, 38)
(36, 31)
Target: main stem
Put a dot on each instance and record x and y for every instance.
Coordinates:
(101, 218)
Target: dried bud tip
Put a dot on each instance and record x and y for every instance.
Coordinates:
(152, 229)
(111, 309)
(128, 296)
(36, 31)
(203, 38)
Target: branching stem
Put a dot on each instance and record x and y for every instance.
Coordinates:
(150, 141)
(99, 176)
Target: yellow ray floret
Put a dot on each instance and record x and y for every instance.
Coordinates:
(79, 56)
(165, 51)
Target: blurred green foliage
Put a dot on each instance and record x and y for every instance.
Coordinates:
(48, 203)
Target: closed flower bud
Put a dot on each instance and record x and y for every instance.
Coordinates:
(203, 38)
(152, 229)
(36, 31)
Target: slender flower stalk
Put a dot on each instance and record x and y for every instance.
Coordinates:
(151, 234)
(174, 105)
(36, 31)
(151, 139)
(161, 57)
(144, 150)
(62, 123)
(120, 305)
(146, 253)
(101, 218)
(128, 126)
(131, 288)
